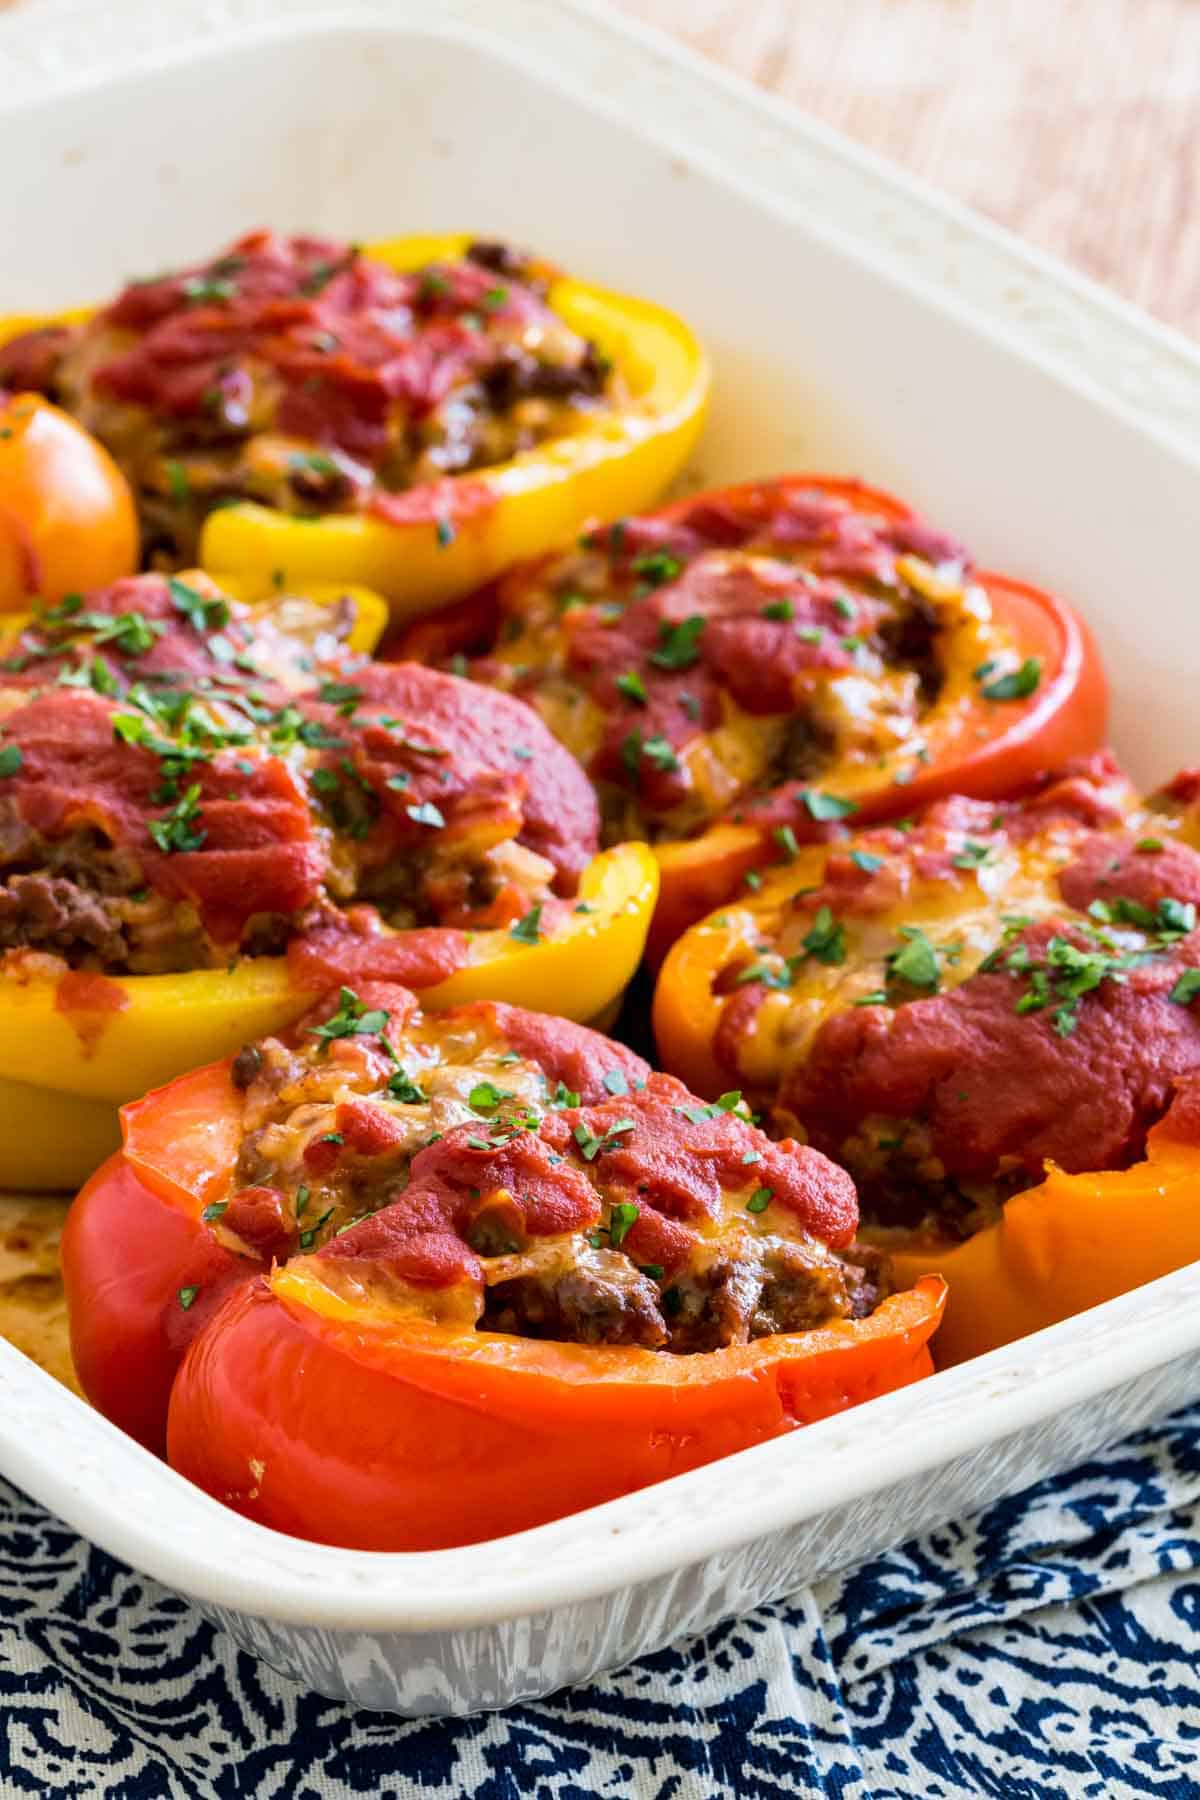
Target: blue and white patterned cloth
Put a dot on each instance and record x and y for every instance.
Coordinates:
(1047, 1649)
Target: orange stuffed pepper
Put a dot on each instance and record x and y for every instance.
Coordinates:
(741, 668)
(402, 1281)
(67, 517)
(987, 1014)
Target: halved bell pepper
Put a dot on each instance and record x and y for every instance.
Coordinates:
(1069, 1243)
(1009, 911)
(376, 1414)
(86, 1040)
(689, 654)
(972, 746)
(67, 517)
(443, 538)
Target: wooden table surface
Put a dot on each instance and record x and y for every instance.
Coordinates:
(1074, 122)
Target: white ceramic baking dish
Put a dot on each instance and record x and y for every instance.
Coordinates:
(859, 324)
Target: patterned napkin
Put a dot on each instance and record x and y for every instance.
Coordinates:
(1045, 1648)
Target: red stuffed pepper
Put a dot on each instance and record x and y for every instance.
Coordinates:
(402, 1282)
(742, 669)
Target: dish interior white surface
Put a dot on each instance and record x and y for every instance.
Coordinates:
(857, 325)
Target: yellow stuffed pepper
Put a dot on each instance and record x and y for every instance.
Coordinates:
(212, 811)
(415, 418)
(989, 1015)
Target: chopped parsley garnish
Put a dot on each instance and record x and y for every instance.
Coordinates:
(760, 1199)
(214, 1212)
(1017, 684)
(655, 567)
(782, 610)
(972, 856)
(342, 694)
(730, 1102)
(402, 1087)
(11, 759)
(591, 1146)
(178, 830)
(178, 485)
(1147, 846)
(614, 1080)
(205, 612)
(824, 807)
(426, 814)
(203, 290)
(528, 929)
(445, 534)
(564, 1096)
(827, 939)
(485, 1096)
(621, 1219)
(785, 837)
(654, 750)
(1186, 988)
(678, 645)
(308, 1238)
(915, 962)
(350, 1020)
(633, 687)
(187, 1296)
(866, 860)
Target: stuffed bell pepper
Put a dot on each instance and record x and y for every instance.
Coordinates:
(401, 1281)
(744, 667)
(67, 517)
(414, 417)
(209, 811)
(990, 1015)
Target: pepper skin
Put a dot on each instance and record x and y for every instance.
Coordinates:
(1069, 1243)
(67, 519)
(320, 1394)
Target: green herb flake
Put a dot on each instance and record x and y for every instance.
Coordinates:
(678, 645)
(178, 829)
(187, 1297)
(485, 1096)
(760, 1199)
(527, 930)
(11, 759)
(621, 1220)
(1186, 988)
(825, 807)
(427, 814)
(633, 687)
(1017, 684)
(866, 860)
(785, 837)
(827, 939)
(350, 1020)
(915, 963)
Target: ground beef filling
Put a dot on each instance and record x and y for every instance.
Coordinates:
(306, 375)
(621, 1212)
